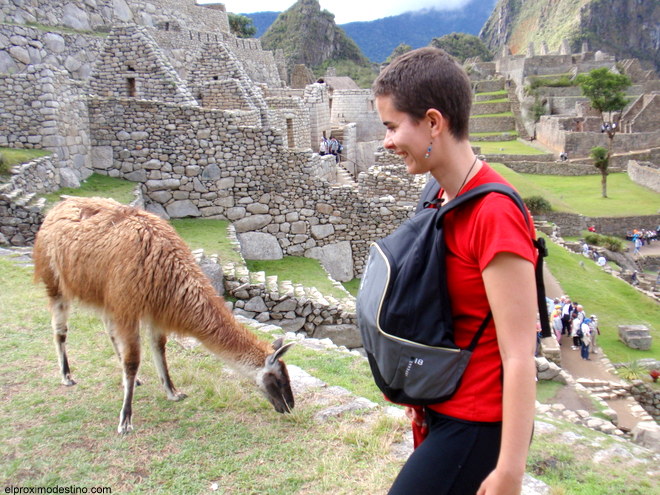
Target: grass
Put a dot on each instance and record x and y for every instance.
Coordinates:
(495, 100)
(97, 185)
(305, 271)
(501, 114)
(224, 435)
(501, 92)
(514, 147)
(562, 455)
(582, 194)
(209, 235)
(494, 133)
(614, 302)
(13, 156)
(225, 432)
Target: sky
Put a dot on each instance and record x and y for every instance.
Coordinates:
(344, 10)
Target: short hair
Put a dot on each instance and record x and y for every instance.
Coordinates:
(428, 78)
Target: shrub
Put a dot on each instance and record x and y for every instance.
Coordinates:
(538, 205)
(609, 242)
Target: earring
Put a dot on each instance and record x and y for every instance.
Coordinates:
(428, 150)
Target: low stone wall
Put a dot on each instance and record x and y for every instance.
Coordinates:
(645, 174)
(490, 107)
(552, 168)
(647, 397)
(492, 124)
(572, 224)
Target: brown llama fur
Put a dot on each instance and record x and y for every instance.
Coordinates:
(135, 268)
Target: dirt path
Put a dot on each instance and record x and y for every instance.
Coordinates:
(572, 362)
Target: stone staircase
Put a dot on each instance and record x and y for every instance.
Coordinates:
(344, 177)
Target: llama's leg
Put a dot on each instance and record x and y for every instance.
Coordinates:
(59, 309)
(109, 325)
(158, 341)
(127, 337)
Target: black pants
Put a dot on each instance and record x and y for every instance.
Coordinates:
(454, 459)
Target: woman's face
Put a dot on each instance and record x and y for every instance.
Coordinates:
(407, 138)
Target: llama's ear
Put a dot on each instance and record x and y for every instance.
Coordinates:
(280, 350)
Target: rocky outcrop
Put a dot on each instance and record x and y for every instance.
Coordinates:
(625, 28)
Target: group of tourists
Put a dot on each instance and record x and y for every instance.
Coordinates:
(331, 146)
(569, 318)
(641, 237)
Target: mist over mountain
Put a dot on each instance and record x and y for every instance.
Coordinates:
(377, 39)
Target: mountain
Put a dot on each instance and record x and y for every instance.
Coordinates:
(379, 38)
(625, 28)
(309, 36)
(262, 21)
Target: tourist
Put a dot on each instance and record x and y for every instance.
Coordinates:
(602, 261)
(478, 440)
(575, 327)
(555, 320)
(585, 339)
(323, 146)
(566, 310)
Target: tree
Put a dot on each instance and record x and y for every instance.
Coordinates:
(462, 46)
(399, 50)
(601, 158)
(241, 26)
(605, 90)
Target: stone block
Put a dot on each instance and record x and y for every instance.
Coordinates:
(183, 208)
(336, 258)
(635, 336)
(647, 434)
(346, 335)
(259, 246)
(253, 222)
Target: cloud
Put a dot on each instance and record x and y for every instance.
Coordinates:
(346, 10)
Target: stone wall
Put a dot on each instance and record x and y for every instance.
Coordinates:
(45, 109)
(647, 397)
(193, 161)
(21, 46)
(357, 106)
(132, 65)
(573, 225)
(20, 218)
(645, 174)
(492, 124)
(98, 15)
(550, 132)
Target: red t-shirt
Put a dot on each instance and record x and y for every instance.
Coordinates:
(474, 234)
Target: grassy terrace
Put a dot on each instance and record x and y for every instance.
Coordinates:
(13, 156)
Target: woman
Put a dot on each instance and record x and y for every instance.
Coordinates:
(478, 440)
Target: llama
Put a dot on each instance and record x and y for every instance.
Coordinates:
(133, 267)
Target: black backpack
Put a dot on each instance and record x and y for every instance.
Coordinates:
(404, 310)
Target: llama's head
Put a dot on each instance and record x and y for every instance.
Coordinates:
(274, 379)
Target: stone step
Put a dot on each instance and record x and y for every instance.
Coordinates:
(272, 284)
(258, 278)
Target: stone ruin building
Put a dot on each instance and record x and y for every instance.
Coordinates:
(210, 125)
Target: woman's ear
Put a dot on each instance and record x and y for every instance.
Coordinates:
(437, 121)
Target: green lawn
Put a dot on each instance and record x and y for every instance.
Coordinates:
(304, 271)
(582, 194)
(614, 302)
(514, 147)
(97, 185)
(224, 434)
(207, 234)
(501, 114)
(14, 156)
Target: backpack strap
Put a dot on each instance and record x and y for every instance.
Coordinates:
(539, 243)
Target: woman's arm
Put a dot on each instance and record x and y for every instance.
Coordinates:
(511, 289)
